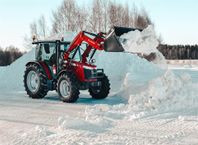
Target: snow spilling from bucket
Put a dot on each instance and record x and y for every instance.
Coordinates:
(145, 43)
(141, 42)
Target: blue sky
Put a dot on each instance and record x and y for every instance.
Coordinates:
(175, 20)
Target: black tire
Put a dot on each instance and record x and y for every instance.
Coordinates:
(101, 92)
(42, 89)
(70, 94)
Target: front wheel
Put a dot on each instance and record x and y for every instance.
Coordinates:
(67, 88)
(102, 91)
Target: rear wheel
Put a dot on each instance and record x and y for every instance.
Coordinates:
(35, 82)
(102, 91)
(67, 88)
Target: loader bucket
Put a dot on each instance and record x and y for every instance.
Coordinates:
(112, 43)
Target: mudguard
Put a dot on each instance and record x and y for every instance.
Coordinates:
(44, 66)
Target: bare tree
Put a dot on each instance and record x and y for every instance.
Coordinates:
(39, 28)
(57, 22)
(112, 14)
(105, 4)
(69, 12)
(34, 29)
(68, 17)
(82, 19)
(95, 19)
(126, 17)
(143, 20)
(42, 25)
(119, 15)
(103, 14)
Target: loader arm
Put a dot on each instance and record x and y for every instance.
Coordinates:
(108, 42)
(95, 43)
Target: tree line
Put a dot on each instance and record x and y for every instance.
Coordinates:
(97, 17)
(9, 55)
(179, 51)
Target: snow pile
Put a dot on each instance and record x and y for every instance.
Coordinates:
(2, 69)
(118, 66)
(166, 93)
(12, 76)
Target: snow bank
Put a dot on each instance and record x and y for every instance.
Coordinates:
(168, 93)
(12, 77)
(2, 69)
(122, 68)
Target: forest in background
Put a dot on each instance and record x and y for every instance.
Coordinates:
(179, 52)
(9, 55)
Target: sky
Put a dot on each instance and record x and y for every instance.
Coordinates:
(175, 20)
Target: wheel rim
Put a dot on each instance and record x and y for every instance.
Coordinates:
(65, 89)
(33, 81)
(96, 91)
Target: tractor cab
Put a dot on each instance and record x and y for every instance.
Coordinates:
(50, 52)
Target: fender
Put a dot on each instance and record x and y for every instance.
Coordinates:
(61, 72)
(44, 66)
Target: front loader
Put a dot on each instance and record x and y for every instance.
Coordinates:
(69, 67)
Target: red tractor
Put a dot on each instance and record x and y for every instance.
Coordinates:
(68, 67)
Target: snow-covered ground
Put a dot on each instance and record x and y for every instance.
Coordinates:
(50, 122)
(150, 103)
(2, 70)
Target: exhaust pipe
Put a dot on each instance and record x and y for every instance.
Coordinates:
(112, 43)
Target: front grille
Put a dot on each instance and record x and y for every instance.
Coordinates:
(87, 73)
(93, 73)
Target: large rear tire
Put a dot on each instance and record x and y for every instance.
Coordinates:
(67, 87)
(101, 92)
(35, 82)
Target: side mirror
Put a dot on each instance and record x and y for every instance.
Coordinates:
(92, 61)
(47, 48)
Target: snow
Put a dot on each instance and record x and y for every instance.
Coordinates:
(12, 77)
(150, 103)
(2, 70)
(141, 42)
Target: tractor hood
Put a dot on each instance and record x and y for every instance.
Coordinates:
(112, 42)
